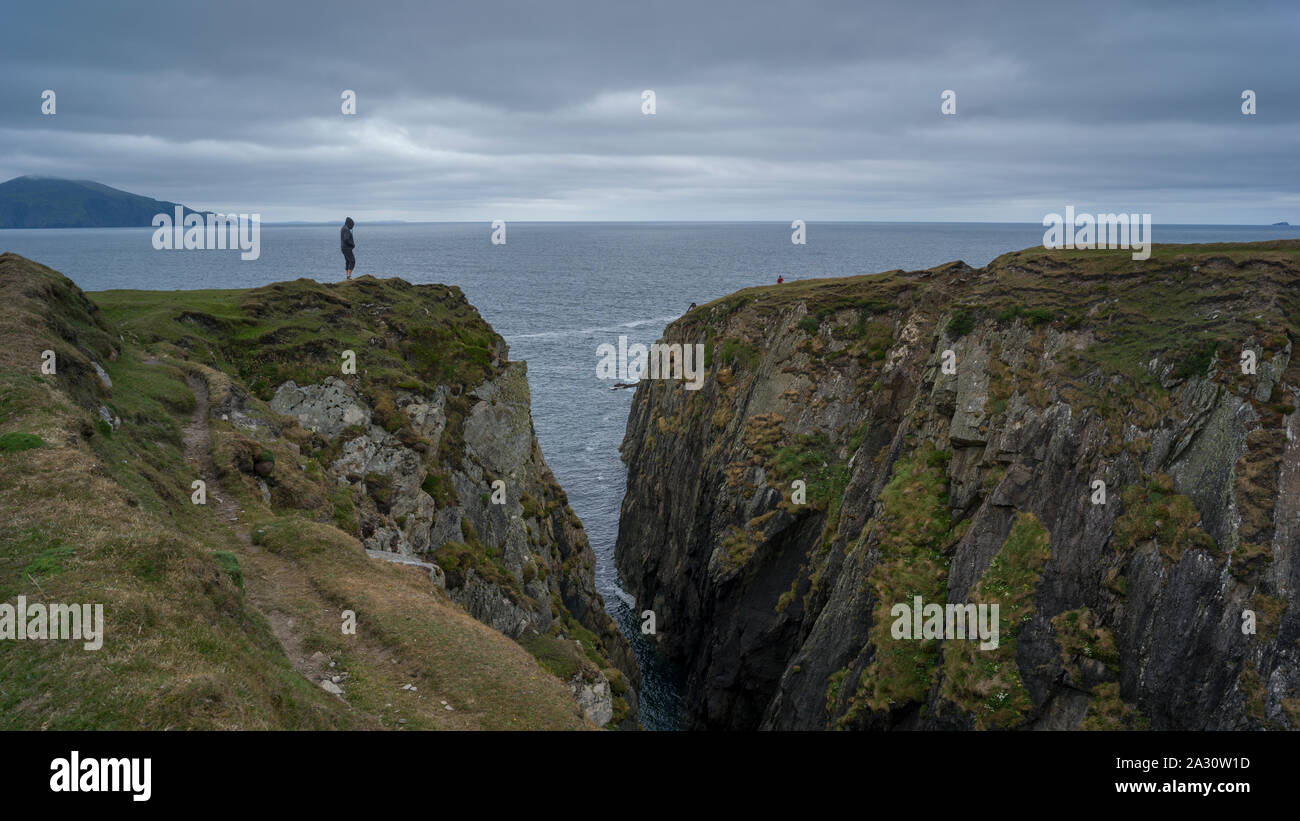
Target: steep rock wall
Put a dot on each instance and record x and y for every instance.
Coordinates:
(975, 483)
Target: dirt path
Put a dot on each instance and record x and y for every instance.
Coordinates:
(197, 437)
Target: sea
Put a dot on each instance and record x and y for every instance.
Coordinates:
(556, 292)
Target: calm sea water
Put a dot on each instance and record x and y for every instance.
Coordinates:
(556, 291)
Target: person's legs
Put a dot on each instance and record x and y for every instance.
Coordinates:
(351, 263)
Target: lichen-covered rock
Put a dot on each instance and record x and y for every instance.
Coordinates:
(594, 698)
(328, 408)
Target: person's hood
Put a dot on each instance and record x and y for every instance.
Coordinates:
(348, 222)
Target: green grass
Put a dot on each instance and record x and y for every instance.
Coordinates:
(1154, 511)
(344, 516)
(1108, 712)
(14, 442)
(810, 459)
(438, 485)
(458, 558)
(1035, 316)
(145, 456)
(1079, 635)
(49, 561)
(961, 322)
(987, 683)
(912, 528)
(229, 563)
(559, 656)
(739, 355)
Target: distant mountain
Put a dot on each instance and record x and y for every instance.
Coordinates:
(50, 202)
(1281, 224)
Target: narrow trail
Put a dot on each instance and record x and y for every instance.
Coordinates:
(197, 436)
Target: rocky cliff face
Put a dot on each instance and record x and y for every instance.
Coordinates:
(516, 561)
(1105, 449)
(393, 412)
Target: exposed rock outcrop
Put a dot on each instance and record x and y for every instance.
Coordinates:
(392, 412)
(951, 429)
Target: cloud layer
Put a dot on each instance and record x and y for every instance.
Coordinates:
(531, 110)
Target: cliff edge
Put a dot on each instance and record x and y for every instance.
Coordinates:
(283, 461)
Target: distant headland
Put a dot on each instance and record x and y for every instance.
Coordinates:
(51, 202)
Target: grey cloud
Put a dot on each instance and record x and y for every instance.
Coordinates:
(765, 111)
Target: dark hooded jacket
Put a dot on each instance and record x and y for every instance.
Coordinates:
(345, 236)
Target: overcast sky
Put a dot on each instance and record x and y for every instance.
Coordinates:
(476, 110)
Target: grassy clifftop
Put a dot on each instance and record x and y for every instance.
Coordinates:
(412, 336)
(1183, 302)
(227, 614)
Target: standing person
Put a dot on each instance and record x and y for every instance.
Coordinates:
(345, 239)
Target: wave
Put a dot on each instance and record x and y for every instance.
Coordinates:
(637, 323)
(624, 596)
